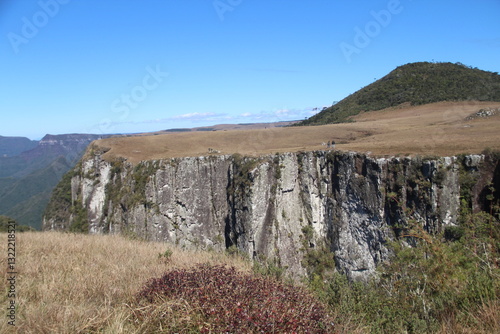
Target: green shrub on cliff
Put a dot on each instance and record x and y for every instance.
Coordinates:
(60, 202)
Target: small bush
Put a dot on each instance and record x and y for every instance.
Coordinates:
(166, 256)
(227, 301)
(271, 268)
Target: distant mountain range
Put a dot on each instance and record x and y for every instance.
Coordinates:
(226, 127)
(414, 84)
(29, 170)
(10, 146)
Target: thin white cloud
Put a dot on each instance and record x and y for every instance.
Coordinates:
(211, 118)
(194, 116)
(284, 114)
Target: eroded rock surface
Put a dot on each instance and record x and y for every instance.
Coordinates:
(274, 207)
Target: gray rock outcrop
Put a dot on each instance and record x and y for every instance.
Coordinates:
(276, 207)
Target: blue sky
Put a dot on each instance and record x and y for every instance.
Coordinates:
(95, 66)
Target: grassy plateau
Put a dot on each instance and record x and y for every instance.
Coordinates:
(443, 128)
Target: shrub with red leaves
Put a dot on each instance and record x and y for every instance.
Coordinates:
(233, 302)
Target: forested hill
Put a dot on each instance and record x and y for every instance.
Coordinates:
(415, 83)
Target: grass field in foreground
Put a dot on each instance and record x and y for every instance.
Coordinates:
(74, 283)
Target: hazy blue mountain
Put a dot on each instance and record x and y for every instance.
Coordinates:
(10, 146)
(28, 178)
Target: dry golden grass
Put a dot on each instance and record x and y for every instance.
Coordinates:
(433, 129)
(70, 283)
(485, 320)
(74, 283)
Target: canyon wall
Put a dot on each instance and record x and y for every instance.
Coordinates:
(286, 207)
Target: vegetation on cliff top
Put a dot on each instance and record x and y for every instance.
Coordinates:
(415, 84)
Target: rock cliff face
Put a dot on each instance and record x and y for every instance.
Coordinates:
(282, 207)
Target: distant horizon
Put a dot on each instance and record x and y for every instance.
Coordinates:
(313, 111)
(137, 133)
(131, 67)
